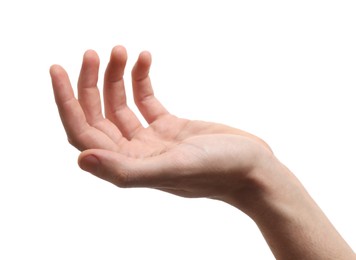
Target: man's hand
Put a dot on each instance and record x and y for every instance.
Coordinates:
(187, 158)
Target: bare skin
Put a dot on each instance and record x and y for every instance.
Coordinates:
(188, 158)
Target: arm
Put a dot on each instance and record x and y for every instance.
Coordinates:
(188, 158)
(291, 222)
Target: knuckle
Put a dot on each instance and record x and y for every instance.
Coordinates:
(75, 143)
(121, 179)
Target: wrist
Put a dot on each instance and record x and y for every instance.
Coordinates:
(267, 187)
(289, 219)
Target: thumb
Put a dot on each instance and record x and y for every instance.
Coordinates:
(124, 171)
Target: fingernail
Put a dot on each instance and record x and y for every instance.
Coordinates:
(90, 164)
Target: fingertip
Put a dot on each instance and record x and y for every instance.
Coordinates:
(90, 52)
(82, 155)
(106, 165)
(89, 163)
(118, 56)
(58, 74)
(119, 50)
(91, 56)
(89, 160)
(145, 58)
(55, 69)
(142, 66)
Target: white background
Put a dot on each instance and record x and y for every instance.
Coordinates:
(283, 70)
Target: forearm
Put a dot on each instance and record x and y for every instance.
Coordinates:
(289, 219)
(300, 230)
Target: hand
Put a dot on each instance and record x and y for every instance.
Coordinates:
(183, 157)
(188, 158)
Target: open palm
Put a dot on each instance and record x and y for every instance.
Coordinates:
(171, 154)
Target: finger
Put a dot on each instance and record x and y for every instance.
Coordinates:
(149, 106)
(79, 132)
(128, 172)
(89, 97)
(116, 109)
(70, 111)
(88, 92)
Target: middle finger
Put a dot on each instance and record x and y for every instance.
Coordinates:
(116, 108)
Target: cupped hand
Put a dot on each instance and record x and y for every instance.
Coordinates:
(180, 156)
